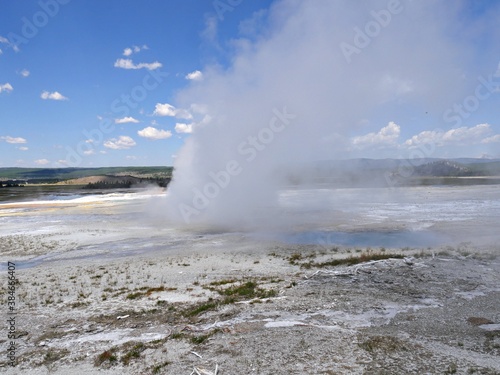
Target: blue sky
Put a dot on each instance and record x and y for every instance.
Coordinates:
(107, 83)
(74, 55)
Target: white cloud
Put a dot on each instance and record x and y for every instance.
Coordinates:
(427, 136)
(131, 157)
(52, 96)
(125, 120)
(123, 142)
(89, 152)
(23, 148)
(42, 162)
(154, 134)
(164, 110)
(8, 43)
(388, 135)
(492, 139)
(134, 49)
(465, 133)
(7, 87)
(195, 76)
(14, 140)
(25, 73)
(462, 135)
(169, 110)
(183, 128)
(129, 64)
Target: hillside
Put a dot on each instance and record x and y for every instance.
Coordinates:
(55, 175)
(443, 168)
(380, 172)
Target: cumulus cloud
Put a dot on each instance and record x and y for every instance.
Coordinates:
(25, 73)
(466, 134)
(23, 148)
(183, 128)
(14, 140)
(388, 135)
(492, 139)
(52, 96)
(169, 110)
(134, 49)
(462, 135)
(125, 120)
(123, 142)
(427, 136)
(195, 76)
(42, 162)
(7, 87)
(154, 134)
(129, 64)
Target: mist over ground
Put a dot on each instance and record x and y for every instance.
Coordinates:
(302, 78)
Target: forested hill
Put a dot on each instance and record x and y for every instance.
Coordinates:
(54, 175)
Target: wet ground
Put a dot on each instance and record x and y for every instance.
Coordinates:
(100, 291)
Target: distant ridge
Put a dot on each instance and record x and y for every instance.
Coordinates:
(394, 172)
(348, 172)
(54, 175)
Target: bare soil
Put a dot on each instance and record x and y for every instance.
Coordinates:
(239, 306)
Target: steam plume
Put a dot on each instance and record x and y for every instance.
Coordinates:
(302, 85)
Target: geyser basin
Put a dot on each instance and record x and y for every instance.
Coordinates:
(390, 239)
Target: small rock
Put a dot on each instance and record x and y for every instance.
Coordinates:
(478, 321)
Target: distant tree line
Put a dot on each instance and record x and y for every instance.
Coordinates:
(11, 183)
(141, 182)
(109, 185)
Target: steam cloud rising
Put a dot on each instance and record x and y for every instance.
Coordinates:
(293, 92)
